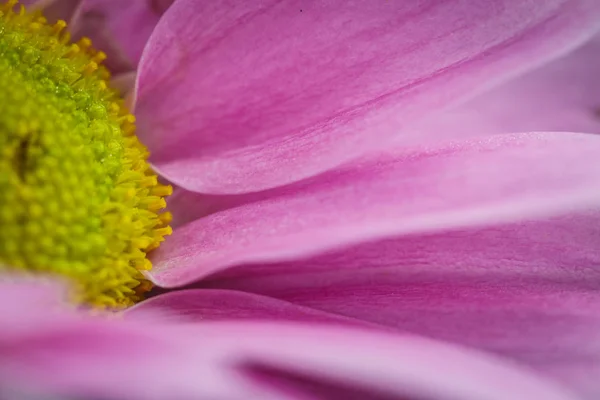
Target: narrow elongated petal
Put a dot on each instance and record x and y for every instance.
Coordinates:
(242, 96)
(561, 96)
(84, 357)
(199, 305)
(528, 291)
(478, 182)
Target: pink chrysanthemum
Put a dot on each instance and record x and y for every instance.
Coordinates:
(373, 199)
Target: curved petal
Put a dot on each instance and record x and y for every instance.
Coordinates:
(238, 97)
(120, 28)
(561, 96)
(528, 291)
(81, 356)
(478, 182)
(341, 364)
(60, 354)
(194, 305)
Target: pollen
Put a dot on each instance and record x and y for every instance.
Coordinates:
(77, 196)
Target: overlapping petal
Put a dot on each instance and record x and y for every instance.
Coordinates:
(336, 363)
(197, 305)
(119, 28)
(561, 96)
(81, 356)
(61, 354)
(411, 190)
(237, 97)
(67, 10)
(525, 290)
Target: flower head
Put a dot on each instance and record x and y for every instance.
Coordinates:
(315, 183)
(79, 198)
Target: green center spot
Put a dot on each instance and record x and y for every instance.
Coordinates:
(78, 196)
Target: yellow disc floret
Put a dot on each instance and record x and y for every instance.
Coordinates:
(77, 196)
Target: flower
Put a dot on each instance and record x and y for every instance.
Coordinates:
(315, 184)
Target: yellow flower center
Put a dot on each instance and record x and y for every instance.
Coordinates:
(77, 195)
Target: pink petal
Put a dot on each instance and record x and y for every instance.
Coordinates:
(35, 297)
(217, 305)
(120, 28)
(344, 364)
(562, 96)
(85, 357)
(477, 182)
(77, 356)
(236, 97)
(124, 84)
(528, 291)
(67, 10)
